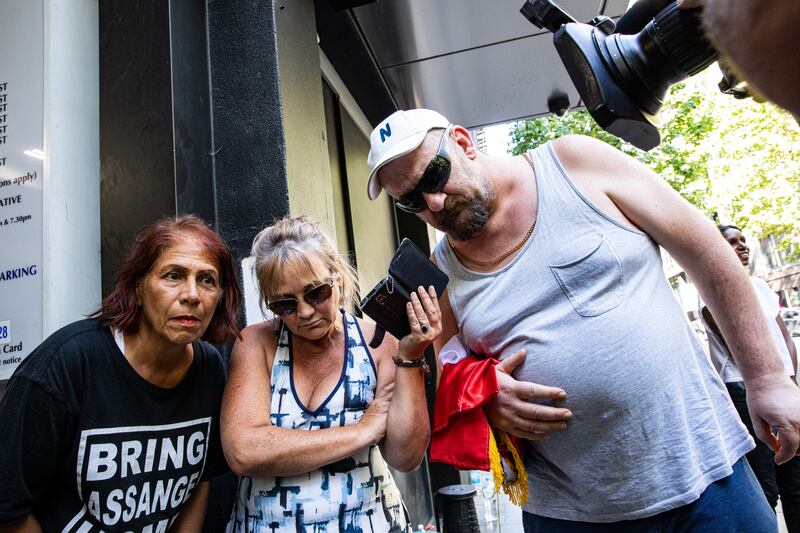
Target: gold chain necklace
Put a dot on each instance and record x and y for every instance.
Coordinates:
(504, 256)
(499, 259)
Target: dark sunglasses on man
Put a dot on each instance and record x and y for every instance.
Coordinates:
(314, 296)
(433, 180)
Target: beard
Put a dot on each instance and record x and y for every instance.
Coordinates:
(463, 217)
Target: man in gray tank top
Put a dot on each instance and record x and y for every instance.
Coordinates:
(555, 269)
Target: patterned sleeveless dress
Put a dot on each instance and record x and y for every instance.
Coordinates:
(354, 495)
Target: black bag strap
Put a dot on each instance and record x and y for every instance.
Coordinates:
(377, 337)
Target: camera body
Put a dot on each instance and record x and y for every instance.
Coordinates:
(622, 79)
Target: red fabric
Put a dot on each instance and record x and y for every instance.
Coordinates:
(460, 428)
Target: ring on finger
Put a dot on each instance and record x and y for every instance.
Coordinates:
(424, 328)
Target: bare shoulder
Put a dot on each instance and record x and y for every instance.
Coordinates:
(261, 333)
(576, 146)
(579, 153)
(257, 341)
(600, 171)
(569, 144)
(632, 194)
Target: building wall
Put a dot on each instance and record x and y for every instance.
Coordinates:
(211, 107)
(308, 169)
(373, 225)
(336, 156)
(326, 162)
(777, 268)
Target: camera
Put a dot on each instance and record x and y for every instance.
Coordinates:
(622, 79)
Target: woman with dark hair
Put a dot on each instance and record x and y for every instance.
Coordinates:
(112, 423)
(311, 414)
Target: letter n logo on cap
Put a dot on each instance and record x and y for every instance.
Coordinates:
(386, 132)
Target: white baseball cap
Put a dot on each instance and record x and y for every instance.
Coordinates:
(401, 133)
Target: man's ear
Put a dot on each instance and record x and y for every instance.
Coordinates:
(463, 139)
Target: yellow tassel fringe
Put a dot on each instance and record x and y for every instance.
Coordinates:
(517, 489)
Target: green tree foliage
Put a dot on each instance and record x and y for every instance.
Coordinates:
(737, 158)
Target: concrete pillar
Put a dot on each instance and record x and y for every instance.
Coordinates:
(308, 169)
(71, 144)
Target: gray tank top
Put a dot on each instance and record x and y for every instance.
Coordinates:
(586, 297)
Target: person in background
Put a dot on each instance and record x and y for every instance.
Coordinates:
(310, 412)
(777, 480)
(112, 423)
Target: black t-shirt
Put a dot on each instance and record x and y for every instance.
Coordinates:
(90, 445)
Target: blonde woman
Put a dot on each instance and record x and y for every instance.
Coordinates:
(311, 415)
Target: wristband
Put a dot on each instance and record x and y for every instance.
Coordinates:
(411, 363)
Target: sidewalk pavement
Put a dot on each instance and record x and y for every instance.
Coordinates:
(508, 517)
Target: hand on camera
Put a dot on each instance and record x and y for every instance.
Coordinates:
(425, 320)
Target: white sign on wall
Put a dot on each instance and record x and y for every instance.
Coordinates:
(21, 175)
(253, 313)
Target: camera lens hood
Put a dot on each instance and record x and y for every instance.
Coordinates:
(623, 78)
(609, 104)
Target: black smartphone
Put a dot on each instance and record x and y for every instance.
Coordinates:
(408, 269)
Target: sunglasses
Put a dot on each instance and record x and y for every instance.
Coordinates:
(432, 181)
(314, 296)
